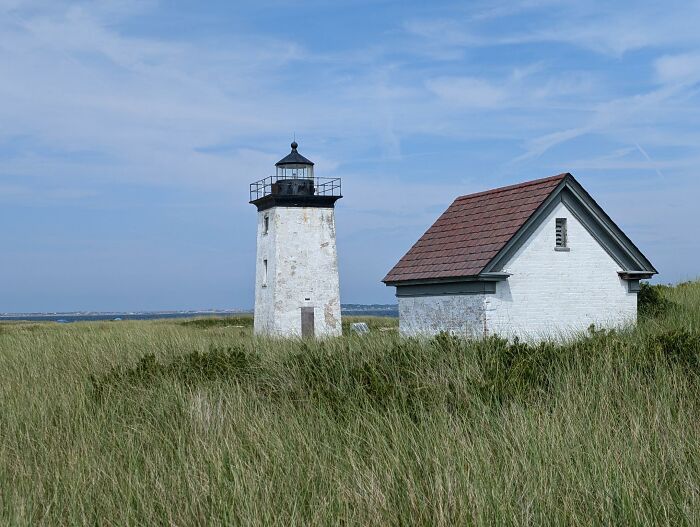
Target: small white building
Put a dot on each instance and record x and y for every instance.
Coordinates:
(296, 281)
(537, 260)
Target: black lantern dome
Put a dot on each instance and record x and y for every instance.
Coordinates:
(294, 165)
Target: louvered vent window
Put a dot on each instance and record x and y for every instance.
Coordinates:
(561, 242)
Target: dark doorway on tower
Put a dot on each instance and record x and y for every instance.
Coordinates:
(307, 322)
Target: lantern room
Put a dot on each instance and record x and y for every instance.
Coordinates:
(294, 166)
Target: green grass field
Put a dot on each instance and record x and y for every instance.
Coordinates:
(171, 423)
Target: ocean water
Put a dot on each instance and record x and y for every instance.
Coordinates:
(350, 310)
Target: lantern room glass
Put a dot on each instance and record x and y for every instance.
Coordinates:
(295, 171)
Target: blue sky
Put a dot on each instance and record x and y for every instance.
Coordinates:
(129, 131)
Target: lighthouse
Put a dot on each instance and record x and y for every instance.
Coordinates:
(297, 291)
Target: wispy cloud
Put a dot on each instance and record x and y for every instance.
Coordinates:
(603, 27)
(468, 92)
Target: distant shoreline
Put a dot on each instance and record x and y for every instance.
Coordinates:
(348, 310)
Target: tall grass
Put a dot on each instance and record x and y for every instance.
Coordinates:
(154, 423)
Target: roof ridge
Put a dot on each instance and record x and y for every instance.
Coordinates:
(514, 186)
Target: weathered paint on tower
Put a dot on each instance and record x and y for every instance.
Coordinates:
(297, 289)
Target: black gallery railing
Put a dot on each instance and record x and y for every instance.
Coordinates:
(317, 186)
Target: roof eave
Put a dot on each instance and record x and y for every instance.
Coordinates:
(481, 277)
(636, 275)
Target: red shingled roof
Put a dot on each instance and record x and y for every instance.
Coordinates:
(472, 231)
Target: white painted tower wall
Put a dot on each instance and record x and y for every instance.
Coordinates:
(302, 271)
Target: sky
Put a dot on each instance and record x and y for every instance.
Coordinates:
(130, 131)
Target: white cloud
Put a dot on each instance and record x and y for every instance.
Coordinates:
(468, 92)
(33, 195)
(683, 68)
(73, 83)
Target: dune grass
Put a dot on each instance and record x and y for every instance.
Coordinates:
(154, 423)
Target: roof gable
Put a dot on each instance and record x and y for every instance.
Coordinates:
(478, 233)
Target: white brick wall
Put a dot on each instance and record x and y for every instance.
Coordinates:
(461, 315)
(302, 263)
(555, 294)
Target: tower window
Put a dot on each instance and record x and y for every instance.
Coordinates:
(264, 282)
(266, 224)
(560, 234)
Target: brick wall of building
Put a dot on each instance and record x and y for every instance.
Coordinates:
(461, 315)
(558, 293)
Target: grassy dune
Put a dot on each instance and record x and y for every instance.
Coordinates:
(155, 423)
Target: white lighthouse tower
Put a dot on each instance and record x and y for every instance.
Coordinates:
(296, 281)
